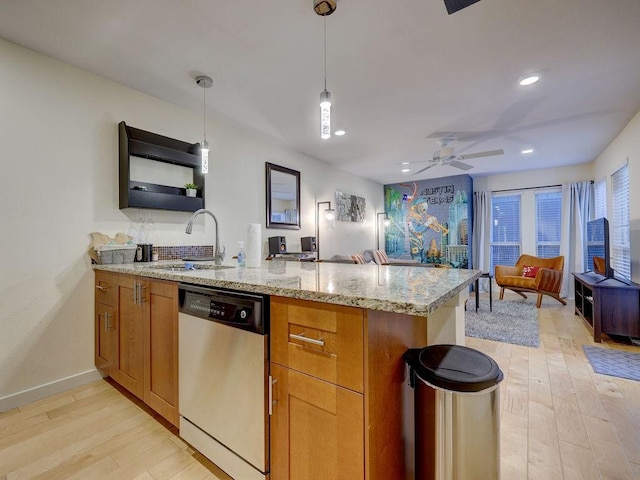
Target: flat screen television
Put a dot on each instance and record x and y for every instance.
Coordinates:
(598, 256)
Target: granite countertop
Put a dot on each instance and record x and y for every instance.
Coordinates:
(391, 288)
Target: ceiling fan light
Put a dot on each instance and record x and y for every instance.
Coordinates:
(529, 80)
(446, 151)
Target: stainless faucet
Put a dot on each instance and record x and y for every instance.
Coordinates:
(218, 256)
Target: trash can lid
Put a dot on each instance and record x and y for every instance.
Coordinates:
(454, 367)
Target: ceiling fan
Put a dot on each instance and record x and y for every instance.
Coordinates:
(454, 5)
(446, 156)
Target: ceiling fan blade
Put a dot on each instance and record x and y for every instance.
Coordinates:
(454, 5)
(460, 165)
(490, 153)
(425, 168)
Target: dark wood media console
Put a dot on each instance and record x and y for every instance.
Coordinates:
(607, 306)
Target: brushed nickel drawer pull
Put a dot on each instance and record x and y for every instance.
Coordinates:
(302, 338)
(141, 296)
(100, 287)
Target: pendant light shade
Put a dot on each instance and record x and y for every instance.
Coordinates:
(330, 217)
(325, 8)
(204, 82)
(325, 114)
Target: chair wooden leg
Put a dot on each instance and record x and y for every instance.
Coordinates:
(539, 302)
(501, 293)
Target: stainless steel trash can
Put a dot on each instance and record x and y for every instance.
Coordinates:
(457, 416)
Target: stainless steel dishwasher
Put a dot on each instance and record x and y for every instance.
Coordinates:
(224, 384)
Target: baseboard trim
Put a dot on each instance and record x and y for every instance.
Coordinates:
(42, 391)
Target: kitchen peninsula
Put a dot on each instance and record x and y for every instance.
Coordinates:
(351, 391)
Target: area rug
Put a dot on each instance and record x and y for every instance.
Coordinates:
(510, 322)
(616, 363)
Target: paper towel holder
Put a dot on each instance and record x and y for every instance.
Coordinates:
(283, 197)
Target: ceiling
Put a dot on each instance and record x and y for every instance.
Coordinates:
(401, 73)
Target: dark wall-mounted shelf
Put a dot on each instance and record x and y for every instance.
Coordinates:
(140, 143)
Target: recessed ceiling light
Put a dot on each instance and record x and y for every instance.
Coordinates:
(405, 170)
(526, 151)
(529, 80)
(340, 132)
(404, 163)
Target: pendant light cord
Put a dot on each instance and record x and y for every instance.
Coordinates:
(204, 112)
(325, 52)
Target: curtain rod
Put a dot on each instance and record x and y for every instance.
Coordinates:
(528, 188)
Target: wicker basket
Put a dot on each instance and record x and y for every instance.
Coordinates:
(108, 254)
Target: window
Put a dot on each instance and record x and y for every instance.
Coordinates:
(600, 199)
(505, 230)
(619, 224)
(548, 223)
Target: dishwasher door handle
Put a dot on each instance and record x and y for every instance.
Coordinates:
(272, 402)
(302, 338)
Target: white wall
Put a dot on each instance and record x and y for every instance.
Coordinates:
(625, 147)
(520, 182)
(59, 182)
(534, 178)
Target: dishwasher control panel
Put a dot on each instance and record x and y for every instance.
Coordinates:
(236, 309)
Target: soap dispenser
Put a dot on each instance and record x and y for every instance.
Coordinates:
(242, 257)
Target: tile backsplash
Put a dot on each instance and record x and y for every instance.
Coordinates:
(179, 252)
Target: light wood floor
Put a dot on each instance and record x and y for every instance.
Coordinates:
(559, 420)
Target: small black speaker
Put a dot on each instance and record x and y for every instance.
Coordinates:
(308, 244)
(277, 245)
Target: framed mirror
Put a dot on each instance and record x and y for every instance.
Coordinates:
(283, 197)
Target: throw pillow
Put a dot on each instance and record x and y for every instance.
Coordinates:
(530, 272)
(357, 258)
(380, 257)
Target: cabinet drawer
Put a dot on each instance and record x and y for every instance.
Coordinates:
(105, 287)
(322, 340)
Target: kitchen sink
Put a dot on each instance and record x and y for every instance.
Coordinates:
(186, 267)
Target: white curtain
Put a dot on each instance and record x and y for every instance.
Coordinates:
(577, 201)
(481, 234)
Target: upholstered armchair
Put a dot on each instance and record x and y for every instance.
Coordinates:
(532, 274)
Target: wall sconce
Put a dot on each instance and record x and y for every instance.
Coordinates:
(386, 223)
(330, 219)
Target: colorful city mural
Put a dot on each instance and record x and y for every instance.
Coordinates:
(430, 221)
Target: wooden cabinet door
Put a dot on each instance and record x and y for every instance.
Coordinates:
(106, 324)
(161, 349)
(317, 430)
(130, 345)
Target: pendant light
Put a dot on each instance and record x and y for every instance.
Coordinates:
(325, 8)
(204, 82)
